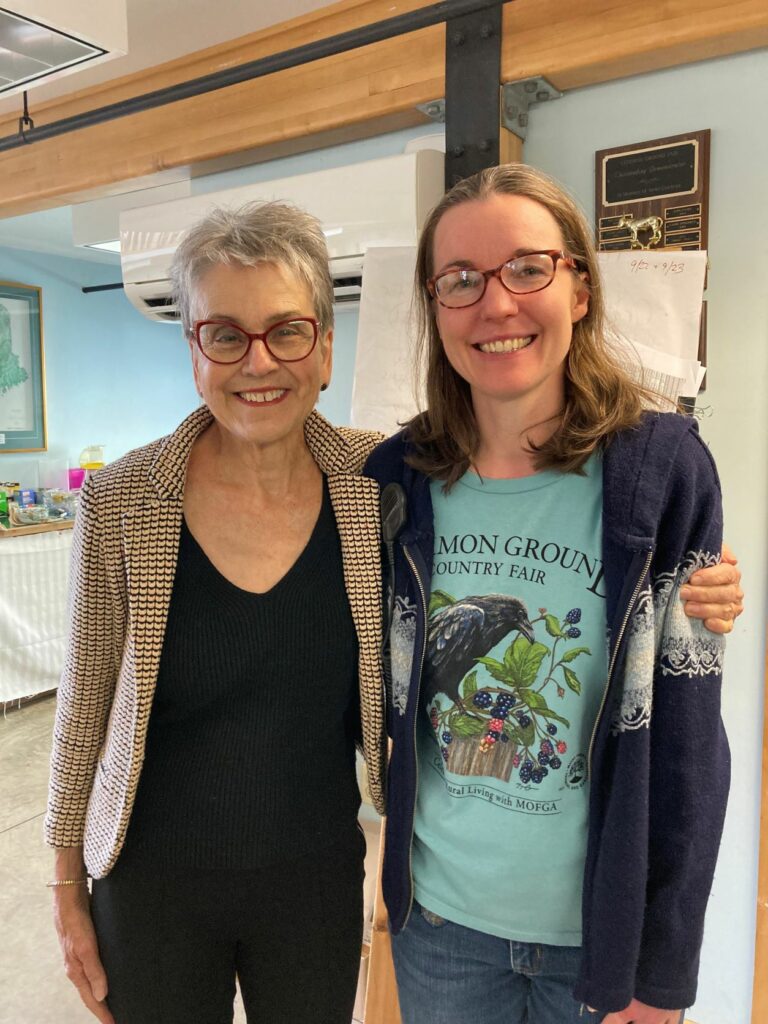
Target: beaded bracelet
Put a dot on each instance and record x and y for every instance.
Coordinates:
(66, 881)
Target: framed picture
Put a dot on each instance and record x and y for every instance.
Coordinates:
(22, 369)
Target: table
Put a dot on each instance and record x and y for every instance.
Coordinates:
(34, 573)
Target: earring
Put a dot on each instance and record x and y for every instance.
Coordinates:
(323, 387)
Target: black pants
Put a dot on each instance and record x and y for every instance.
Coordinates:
(172, 942)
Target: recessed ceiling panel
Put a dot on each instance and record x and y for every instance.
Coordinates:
(35, 48)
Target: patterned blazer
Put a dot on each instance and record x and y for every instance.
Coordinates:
(124, 561)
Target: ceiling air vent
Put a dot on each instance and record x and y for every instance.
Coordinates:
(41, 39)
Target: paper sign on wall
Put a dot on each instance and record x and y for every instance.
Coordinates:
(653, 305)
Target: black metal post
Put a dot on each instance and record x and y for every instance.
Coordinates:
(472, 92)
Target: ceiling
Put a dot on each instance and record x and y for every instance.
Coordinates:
(155, 36)
(161, 30)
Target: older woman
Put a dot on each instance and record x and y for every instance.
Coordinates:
(556, 803)
(224, 642)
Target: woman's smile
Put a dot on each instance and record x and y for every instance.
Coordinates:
(504, 346)
(263, 396)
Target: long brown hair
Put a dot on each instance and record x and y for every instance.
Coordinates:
(600, 396)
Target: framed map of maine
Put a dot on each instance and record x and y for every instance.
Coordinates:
(22, 369)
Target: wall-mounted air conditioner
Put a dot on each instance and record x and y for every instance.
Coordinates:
(45, 39)
(377, 203)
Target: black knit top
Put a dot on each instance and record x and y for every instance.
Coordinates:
(250, 753)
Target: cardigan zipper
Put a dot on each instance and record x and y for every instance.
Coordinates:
(422, 592)
(617, 645)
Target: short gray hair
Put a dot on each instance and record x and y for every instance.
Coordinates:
(258, 232)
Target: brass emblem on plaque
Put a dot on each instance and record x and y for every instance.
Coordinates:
(645, 226)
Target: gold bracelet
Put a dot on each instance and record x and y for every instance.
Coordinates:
(66, 881)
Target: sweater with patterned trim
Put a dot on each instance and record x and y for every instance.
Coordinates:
(125, 549)
(660, 765)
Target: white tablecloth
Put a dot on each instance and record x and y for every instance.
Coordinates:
(34, 572)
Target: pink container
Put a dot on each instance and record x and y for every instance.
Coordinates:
(75, 478)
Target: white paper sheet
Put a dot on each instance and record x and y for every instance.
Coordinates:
(653, 304)
(382, 392)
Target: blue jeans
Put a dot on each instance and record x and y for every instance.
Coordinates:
(449, 974)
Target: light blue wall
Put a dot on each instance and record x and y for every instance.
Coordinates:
(112, 377)
(730, 96)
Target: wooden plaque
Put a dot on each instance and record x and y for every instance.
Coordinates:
(654, 195)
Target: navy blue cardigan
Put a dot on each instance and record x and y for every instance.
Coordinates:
(660, 766)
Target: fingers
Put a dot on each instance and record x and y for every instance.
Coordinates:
(722, 626)
(727, 601)
(95, 975)
(82, 964)
(698, 610)
(704, 607)
(727, 555)
(76, 974)
(716, 575)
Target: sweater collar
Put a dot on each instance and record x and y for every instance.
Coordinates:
(329, 447)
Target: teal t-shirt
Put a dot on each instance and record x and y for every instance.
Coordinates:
(515, 673)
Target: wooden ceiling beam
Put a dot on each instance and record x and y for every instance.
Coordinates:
(353, 95)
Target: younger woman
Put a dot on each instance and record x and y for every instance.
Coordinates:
(555, 802)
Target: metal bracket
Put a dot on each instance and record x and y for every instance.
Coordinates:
(25, 121)
(517, 97)
(435, 110)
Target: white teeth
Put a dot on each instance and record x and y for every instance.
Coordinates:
(507, 345)
(262, 396)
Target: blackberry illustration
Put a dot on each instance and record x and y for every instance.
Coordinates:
(444, 752)
(516, 761)
(562, 747)
(497, 724)
(543, 759)
(547, 748)
(482, 699)
(555, 762)
(523, 720)
(526, 772)
(537, 775)
(500, 713)
(573, 616)
(573, 633)
(552, 729)
(447, 737)
(493, 734)
(505, 700)
(504, 738)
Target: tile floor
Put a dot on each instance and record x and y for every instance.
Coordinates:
(33, 988)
